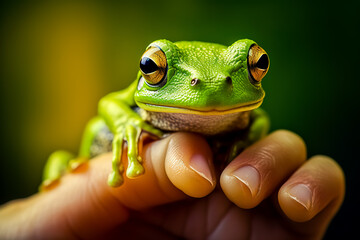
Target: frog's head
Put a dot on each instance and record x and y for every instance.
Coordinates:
(201, 78)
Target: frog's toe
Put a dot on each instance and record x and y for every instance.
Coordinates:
(115, 179)
(134, 169)
(49, 184)
(78, 165)
(150, 129)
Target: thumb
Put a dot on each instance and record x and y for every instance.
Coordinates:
(83, 206)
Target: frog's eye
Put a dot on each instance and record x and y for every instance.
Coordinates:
(153, 65)
(258, 63)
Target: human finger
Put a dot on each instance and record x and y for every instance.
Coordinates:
(84, 206)
(178, 164)
(258, 171)
(316, 187)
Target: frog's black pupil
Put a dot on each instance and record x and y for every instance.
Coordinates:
(147, 65)
(263, 62)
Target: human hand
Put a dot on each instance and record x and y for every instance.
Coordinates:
(270, 192)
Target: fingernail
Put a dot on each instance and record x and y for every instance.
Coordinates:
(200, 165)
(249, 176)
(301, 194)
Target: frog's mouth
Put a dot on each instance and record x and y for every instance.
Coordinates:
(206, 111)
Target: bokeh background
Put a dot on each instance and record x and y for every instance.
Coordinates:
(58, 59)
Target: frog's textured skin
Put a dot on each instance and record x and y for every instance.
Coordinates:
(211, 64)
(205, 124)
(198, 87)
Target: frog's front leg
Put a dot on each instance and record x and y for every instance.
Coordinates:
(126, 125)
(131, 134)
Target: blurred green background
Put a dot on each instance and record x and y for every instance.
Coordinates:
(58, 59)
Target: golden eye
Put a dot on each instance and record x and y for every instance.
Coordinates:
(258, 62)
(153, 65)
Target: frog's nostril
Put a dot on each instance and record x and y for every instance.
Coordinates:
(228, 80)
(194, 81)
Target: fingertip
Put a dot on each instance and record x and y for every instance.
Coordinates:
(317, 185)
(258, 170)
(188, 164)
(242, 186)
(180, 163)
(296, 202)
(292, 139)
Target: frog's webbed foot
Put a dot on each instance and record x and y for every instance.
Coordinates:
(257, 130)
(49, 184)
(77, 165)
(130, 133)
(236, 148)
(57, 165)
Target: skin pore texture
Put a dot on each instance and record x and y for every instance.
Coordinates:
(179, 196)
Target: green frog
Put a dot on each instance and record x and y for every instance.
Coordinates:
(200, 87)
